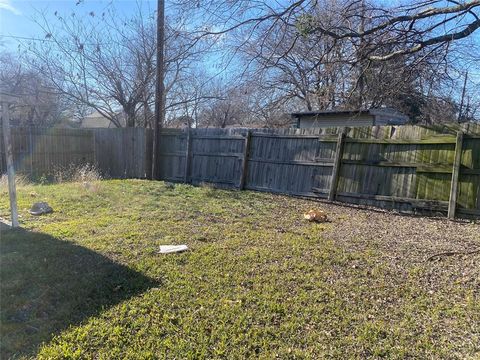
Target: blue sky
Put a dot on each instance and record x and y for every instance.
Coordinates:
(16, 19)
(16, 16)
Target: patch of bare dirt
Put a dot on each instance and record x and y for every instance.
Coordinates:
(448, 252)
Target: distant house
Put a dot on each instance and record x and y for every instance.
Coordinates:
(67, 124)
(97, 120)
(351, 118)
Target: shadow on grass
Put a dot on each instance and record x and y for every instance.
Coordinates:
(47, 284)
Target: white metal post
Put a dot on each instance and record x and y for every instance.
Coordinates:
(9, 158)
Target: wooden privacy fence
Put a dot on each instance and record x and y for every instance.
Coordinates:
(41, 151)
(202, 156)
(124, 152)
(118, 153)
(407, 168)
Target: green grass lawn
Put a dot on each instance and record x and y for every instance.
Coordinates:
(258, 281)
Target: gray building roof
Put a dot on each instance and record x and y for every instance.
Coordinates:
(360, 117)
(97, 120)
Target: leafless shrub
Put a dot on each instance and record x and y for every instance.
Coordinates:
(87, 173)
(210, 188)
(20, 181)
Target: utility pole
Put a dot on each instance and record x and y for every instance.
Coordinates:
(361, 59)
(9, 157)
(159, 88)
(461, 115)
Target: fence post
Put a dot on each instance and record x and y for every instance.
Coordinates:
(336, 164)
(30, 149)
(188, 155)
(95, 164)
(132, 153)
(246, 151)
(452, 203)
(7, 141)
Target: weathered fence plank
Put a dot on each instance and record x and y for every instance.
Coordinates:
(188, 156)
(452, 203)
(246, 149)
(336, 165)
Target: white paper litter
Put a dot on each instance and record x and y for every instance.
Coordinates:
(167, 249)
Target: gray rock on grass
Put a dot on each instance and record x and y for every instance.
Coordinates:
(169, 185)
(40, 208)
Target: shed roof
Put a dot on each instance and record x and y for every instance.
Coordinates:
(97, 120)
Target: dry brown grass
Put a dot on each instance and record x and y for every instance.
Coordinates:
(74, 173)
(20, 181)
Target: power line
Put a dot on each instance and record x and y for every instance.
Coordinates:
(24, 38)
(44, 40)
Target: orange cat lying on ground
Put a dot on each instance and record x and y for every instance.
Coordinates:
(316, 215)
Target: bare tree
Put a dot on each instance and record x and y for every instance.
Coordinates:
(321, 73)
(105, 63)
(108, 63)
(282, 56)
(323, 54)
(404, 28)
(37, 102)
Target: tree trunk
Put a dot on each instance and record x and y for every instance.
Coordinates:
(129, 113)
